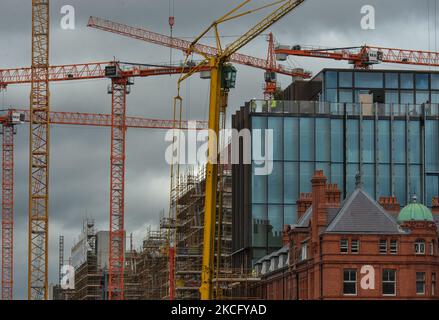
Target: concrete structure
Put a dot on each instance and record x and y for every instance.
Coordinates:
(353, 249)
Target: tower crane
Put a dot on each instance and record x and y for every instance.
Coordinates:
(269, 65)
(15, 117)
(121, 75)
(363, 57)
(223, 77)
(39, 139)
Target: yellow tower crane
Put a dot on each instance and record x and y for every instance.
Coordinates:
(222, 79)
(39, 154)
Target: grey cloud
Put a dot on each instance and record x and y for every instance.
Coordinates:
(80, 156)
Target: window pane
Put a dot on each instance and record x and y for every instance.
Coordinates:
(368, 80)
(400, 184)
(345, 79)
(291, 182)
(353, 141)
(259, 216)
(337, 175)
(331, 95)
(406, 80)
(389, 282)
(306, 139)
(275, 184)
(323, 143)
(306, 173)
(415, 181)
(399, 141)
(421, 81)
(350, 282)
(344, 246)
(345, 96)
(368, 141)
(434, 97)
(384, 180)
(435, 81)
(352, 170)
(415, 142)
(358, 93)
(259, 187)
(384, 141)
(432, 189)
(290, 214)
(431, 146)
(407, 97)
(331, 79)
(383, 246)
(369, 179)
(336, 140)
(420, 282)
(391, 80)
(275, 225)
(291, 138)
(422, 97)
(391, 97)
(276, 124)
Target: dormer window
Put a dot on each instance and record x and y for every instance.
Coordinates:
(420, 247)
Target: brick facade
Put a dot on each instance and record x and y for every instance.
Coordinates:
(352, 250)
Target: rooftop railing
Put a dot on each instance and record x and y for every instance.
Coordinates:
(340, 109)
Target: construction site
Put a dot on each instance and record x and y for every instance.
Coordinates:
(286, 196)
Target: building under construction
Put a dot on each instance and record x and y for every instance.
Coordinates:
(89, 257)
(152, 266)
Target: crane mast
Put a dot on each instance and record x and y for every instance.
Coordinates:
(39, 154)
(222, 80)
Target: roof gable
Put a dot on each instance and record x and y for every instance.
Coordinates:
(361, 214)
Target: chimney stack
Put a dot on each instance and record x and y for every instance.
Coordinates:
(333, 196)
(304, 202)
(285, 235)
(318, 220)
(390, 204)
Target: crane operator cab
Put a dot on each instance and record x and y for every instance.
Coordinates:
(17, 118)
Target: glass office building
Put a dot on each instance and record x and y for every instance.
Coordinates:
(382, 124)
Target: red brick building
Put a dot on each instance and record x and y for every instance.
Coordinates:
(354, 249)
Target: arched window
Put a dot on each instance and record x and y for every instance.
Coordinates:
(420, 246)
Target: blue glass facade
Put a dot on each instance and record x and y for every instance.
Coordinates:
(381, 123)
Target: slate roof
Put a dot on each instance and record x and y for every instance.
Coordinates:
(283, 250)
(304, 220)
(362, 214)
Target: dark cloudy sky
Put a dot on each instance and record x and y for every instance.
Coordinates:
(80, 156)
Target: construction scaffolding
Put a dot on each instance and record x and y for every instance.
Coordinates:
(189, 224)
(152, 266)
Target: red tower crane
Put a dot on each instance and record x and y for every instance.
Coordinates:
(270, 73)
(363, 57)
(9, 121)
(121, 81)
(269, 65)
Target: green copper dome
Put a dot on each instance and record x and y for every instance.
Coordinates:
(415, 212)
